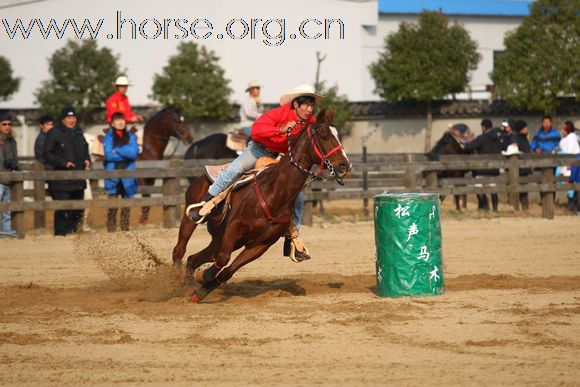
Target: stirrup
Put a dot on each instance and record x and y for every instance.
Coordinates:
(290, 250)
(194, 206)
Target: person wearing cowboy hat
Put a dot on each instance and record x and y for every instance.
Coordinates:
(251, 108)
(119, 102)
(269, 137)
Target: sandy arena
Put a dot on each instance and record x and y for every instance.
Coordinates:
(93, 309)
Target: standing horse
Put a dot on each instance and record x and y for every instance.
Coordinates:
(449, 144)
(210, 147)
(158, 130)
(255, 226)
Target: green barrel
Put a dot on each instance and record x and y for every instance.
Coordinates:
(408, 244)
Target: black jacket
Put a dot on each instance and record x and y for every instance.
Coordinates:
(61, 146)
(492, 141)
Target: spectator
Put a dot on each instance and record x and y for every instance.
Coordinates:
(569, 145)
(491, 141)
(575, 179)
(520, 138)
(46, 123)
(65, 150)
(546, 139)
(119, 102)
(8, 162)
(121, 151)
(251, 108)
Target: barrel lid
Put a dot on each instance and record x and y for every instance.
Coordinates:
(406, 196)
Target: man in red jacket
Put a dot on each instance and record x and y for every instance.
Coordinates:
(268, 139)
(119, 102)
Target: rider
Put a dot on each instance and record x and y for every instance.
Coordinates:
(269, 139)
(119, 102)
(251, 108)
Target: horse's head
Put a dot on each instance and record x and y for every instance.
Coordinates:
(325, 147)
(179, 127)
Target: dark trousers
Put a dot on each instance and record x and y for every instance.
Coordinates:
(67, 221)
(112, 212)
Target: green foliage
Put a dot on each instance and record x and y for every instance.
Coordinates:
(541, 61)
(81, 76)
(425, 61)
(8, 84)
(194, 82)
(338, 103)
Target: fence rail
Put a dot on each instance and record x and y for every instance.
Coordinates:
(392, 173)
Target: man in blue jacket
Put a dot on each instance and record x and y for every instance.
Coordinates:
(546, 139)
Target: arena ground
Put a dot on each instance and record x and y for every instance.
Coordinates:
(93, 309)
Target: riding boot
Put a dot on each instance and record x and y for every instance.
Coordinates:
(494, 201)
(294, 247)
(198, 212)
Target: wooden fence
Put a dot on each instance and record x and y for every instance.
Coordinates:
(379, 173)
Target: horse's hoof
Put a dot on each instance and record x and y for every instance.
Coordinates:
(193, 297)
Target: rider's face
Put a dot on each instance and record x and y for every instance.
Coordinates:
(304, 111)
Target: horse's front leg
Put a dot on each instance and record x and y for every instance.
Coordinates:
(222, 274)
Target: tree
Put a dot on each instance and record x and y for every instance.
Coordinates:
(194, 82)
(425, 61)
(541, 61)
(8, 84)
(81, 76)
(337, 102)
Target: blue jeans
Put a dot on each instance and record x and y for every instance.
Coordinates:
(244, 162)
(5, 223)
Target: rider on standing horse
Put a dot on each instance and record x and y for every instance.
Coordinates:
(119, 102)
(269, 137)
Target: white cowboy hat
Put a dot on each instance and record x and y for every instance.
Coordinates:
(122, 81)
(253, 84)
(302, 90)
(512, 149)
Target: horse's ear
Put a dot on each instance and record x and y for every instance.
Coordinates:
(329, 115)
(321, 117)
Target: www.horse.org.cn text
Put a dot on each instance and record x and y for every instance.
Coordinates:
(271, 32)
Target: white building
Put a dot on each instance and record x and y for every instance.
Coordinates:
(274, 42)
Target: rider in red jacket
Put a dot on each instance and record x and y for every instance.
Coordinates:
(268, 139)
(119, 102)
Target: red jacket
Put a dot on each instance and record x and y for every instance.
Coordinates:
(120, 103)
(266, 129)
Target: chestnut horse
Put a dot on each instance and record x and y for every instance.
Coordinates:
(260, 212)
(158, 130)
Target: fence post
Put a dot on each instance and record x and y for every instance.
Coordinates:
(307, 216)
(409, 178)
(365, 182)
(548, 196)
(431, 180)
(39, 195)
(170, 188)
(17, 196)
(513, 176)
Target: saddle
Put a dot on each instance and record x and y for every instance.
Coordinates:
(237, 141)
(213, 171)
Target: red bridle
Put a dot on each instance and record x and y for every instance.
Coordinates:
(323, 158)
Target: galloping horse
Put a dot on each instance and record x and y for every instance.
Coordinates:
(255, 226)
(450, 144)
(158, 130)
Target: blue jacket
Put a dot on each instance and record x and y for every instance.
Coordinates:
(546, 142)
(127, 153)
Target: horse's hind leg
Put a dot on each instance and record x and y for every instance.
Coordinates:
(186, 228)
(246, 256)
